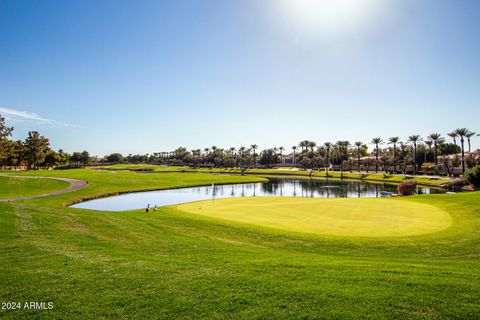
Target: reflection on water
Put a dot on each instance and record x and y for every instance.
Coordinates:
(286, 187)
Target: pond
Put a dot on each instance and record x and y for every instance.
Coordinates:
(281, 187)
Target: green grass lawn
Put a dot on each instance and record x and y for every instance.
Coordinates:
(11, 187)
(182, 265)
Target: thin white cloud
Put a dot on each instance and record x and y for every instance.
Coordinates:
(26, 116)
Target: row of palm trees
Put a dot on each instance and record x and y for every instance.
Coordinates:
(342, 151)
(433, 139)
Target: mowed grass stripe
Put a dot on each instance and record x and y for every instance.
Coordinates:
(338, 217)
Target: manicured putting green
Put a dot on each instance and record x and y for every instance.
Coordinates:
(338, 217)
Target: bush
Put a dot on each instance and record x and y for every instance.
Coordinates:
(407, 188)
(455, 184)
(67, 167)
(473, 176)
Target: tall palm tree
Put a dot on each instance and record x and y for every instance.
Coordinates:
(303, 145)
(414, 139)
(254, 147)
(359, 145)
(311, 145)
(462, 132)
(469, 135)
(241, 151)
(394, 141)
(343, 148)
(281, 149)
(328, 146)
(454, 136)
(294, 148)
(429, 143)
(436, 138)
(376, 142)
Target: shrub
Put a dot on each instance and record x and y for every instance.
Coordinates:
(407, 188)
(473, 176)
(67, 167)
(456, 184)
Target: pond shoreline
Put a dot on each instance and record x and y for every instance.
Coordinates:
(273, 185)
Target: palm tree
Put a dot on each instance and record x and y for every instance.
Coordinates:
(281, 149)
(454, 136)
(462, 132)
(469, 135)
(241, 150)
(376, 142)
(294, 148)
(429, 143)
(359, 145)
(414, 139)
(303, 144)
(254, 147)
(311, 145)
(394, 141)
(343, 149)
(328, 146)
(436, 138)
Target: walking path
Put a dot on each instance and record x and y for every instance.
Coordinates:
(75, 185)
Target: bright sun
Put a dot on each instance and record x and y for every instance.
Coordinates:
(326, 17)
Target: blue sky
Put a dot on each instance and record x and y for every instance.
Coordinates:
(146, 76)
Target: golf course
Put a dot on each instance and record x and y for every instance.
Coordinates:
(255, 257)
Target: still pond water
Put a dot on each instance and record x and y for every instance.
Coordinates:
(281, 187)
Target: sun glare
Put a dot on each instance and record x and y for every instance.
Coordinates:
(326, 17)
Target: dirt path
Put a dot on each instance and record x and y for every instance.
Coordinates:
(74, 186)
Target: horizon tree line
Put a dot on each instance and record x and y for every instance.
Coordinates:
(35, 151)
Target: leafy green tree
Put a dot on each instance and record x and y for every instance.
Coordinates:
(449, 148)
(86, 157)
(5, 133)
(268, 158)
(14, 152)
(473, 176)
(36, 148)
(115, 158)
